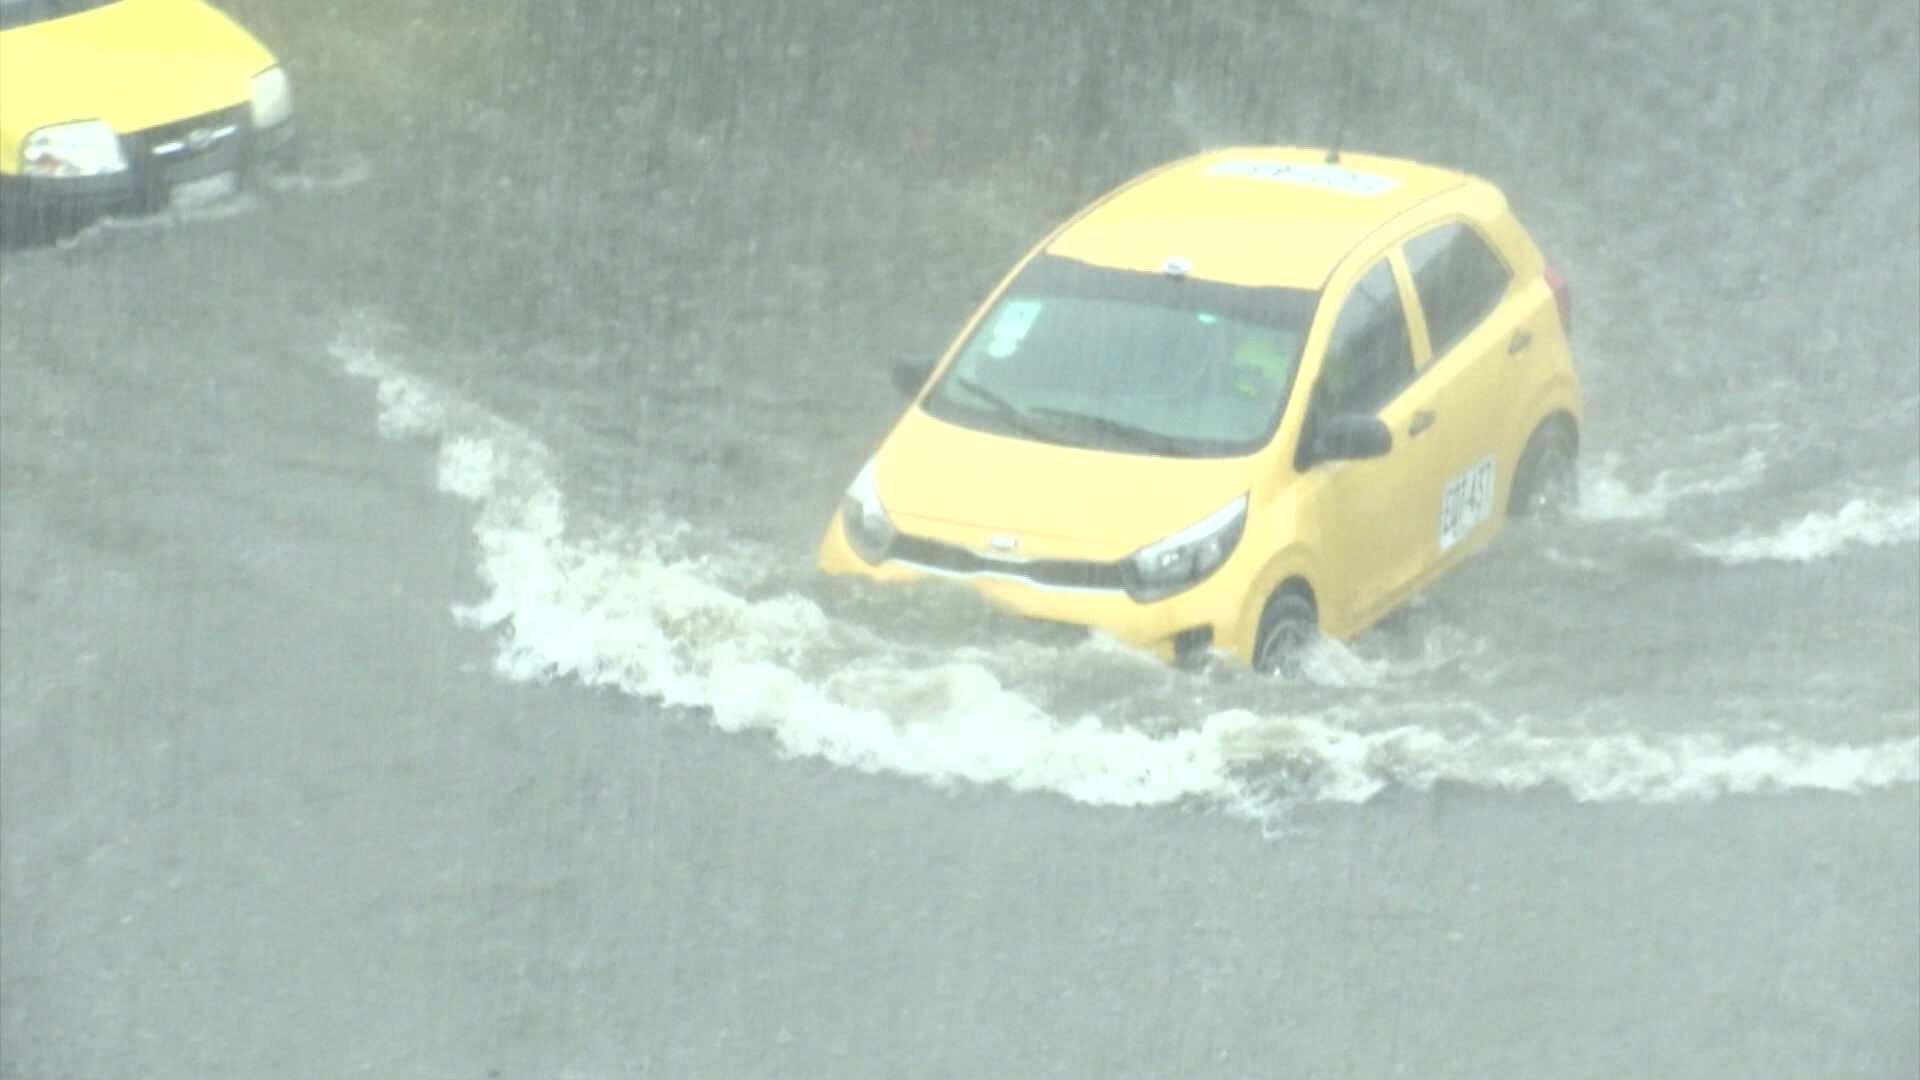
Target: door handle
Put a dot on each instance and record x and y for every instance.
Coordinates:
(1521, 339)
(1422, 420)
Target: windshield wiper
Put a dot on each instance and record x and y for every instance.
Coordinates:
(1132, 436)
(1015, 417)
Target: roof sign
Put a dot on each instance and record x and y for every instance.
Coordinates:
(1016, 318)
(1331, 177)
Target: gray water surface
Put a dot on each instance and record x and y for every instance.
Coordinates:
(412, 664)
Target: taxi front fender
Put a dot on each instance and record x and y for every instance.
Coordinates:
(1297, 561)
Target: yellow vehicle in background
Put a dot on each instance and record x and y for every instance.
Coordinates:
(128, 106)
(1249, 397)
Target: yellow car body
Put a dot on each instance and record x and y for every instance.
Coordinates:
(1141, 499)
(126, 105)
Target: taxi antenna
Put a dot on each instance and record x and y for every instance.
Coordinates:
(1341, 111)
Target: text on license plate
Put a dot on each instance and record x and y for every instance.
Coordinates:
(1467, 502)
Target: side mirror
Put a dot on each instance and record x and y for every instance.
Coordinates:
(911, 374)
(1350, 437)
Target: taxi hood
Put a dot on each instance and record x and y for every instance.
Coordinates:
(134, 64)
(1094, 503)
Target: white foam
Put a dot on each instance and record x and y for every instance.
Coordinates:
(407, 409)
(607, 608)
(207, 209)
(1862, 522)
(1606, 497)
(219, 208)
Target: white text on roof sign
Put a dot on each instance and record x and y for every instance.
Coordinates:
(1331, 177)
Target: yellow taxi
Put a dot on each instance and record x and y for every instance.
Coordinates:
(1247, 398)
(111, 106)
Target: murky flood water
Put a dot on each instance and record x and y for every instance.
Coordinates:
(415, 665)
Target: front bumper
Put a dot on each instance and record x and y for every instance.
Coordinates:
(1180, 628)
(66, 196)
(203, 156)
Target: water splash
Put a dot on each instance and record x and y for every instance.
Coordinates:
(615, 607)
(1862, 522)
(1604, 496)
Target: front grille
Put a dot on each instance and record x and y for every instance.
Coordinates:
(189, 149)
(1053, 573)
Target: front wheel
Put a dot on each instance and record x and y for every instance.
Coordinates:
(1288, 628)
(1545, 485)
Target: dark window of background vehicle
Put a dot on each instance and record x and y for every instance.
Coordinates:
(14, 13)
(1460, 280)
(1370, 355)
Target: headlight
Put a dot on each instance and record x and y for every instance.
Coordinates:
(864, 520)
(82, 148)
(272, 98)
(1184, 559)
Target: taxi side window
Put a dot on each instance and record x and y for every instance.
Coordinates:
(1460, 281)
(1370, 354)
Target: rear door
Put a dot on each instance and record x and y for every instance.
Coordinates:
(1475, 335)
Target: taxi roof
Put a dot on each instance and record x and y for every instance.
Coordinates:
(1262, 216)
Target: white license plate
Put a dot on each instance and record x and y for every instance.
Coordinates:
(1466, 503)
(206, 189)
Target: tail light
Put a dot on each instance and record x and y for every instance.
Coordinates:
(1562, 298)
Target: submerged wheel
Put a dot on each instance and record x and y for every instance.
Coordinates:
(1287, 629)
(1545, 484)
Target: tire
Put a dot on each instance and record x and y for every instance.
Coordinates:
(1545, 485)
(1288, 628)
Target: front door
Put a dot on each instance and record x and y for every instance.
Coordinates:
(1376, 517)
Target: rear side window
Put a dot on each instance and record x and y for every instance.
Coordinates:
(1369, 357)
(1460, 281)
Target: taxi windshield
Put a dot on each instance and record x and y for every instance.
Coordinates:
(1131, 362)
(24, 12)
